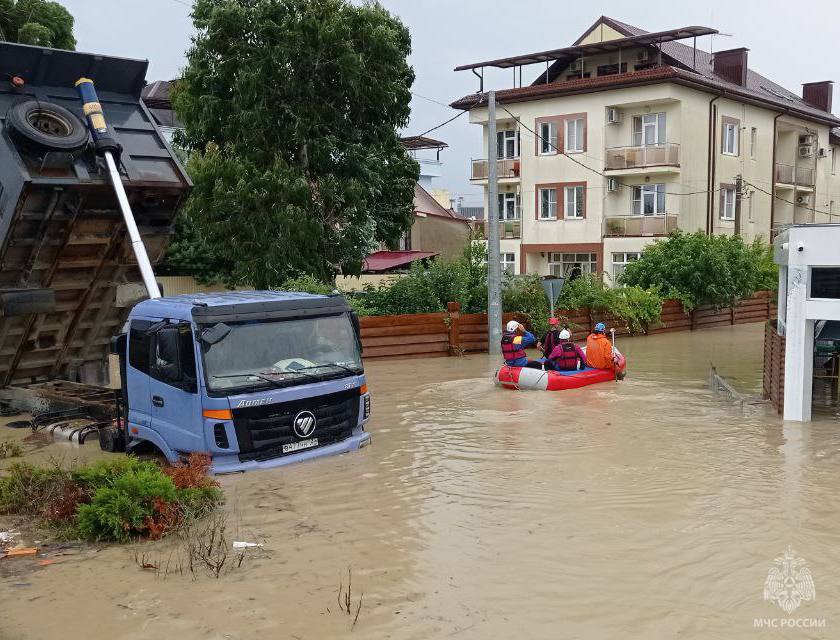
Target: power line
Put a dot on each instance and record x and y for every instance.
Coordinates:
(587, 167)
(432, 100)
(773, 195)
(446, 122)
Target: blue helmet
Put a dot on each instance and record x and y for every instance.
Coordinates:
(600, 328)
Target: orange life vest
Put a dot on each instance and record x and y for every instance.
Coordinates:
(599, 351)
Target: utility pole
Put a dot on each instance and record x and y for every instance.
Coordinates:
(494, 262)
(739, 185)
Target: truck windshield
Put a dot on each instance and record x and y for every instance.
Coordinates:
(282, 353)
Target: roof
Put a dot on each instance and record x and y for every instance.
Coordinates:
(181, 306)
(472, 213)
(679, 66)
(413, 143)
(425, 203)
(388, 260)
(834, 136)
(577, 50)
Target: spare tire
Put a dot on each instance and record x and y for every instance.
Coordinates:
(46, 126)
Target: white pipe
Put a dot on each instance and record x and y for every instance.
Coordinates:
(133, 232)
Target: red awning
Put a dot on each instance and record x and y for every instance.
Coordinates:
(387, 260)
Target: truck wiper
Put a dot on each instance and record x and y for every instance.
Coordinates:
(334, 364)
(264, 375)
(275, 383)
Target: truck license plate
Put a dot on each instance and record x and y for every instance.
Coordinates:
(303, 444)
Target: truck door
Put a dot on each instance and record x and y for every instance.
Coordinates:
(173, 389)
(137, 373)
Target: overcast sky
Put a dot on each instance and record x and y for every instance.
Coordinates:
(791, 43)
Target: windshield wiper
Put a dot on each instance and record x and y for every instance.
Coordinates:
(283, 373)
(333, 364)
(276, 383)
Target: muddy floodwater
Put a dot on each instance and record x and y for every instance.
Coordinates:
(646, 509)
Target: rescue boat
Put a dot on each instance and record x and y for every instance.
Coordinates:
(527, 378)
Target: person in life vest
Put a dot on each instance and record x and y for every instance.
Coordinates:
(599, 349)
(566, 356)
(515, 340)
(551, 339)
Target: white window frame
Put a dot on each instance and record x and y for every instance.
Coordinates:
(654, 122)
(551, 214)
(574, 199)
(560, 263)
(730, 139)
(508, 262)
(548, 138)
(750, 211)
(575, 132)
(753, 142)
(727, 210)
(618, 266)
(507, 140)
(642, 192)
(508, 206)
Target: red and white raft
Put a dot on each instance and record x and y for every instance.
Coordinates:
(526, 378)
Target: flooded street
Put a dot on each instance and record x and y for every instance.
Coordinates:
(645, 509)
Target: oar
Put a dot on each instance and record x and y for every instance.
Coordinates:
(615, 366)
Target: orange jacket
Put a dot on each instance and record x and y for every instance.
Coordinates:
(599, 351)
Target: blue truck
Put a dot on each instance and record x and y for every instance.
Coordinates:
(256, 379)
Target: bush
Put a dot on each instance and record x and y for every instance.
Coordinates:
(115, 499)
(10, 449)
(525, 294)
(308, 284)
(704, 270)
(637, 307)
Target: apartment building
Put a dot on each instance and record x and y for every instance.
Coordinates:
(627, 135)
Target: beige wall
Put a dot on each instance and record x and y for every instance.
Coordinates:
(436, 233)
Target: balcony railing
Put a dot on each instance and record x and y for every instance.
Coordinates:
(799, 176)
(509, 229)
(638, 226)
(507, 168)
(667, 154)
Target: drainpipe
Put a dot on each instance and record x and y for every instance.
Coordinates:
(711, 161)
(773, 174)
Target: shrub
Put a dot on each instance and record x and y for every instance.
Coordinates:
(10, 449)
(698, 269)
(635, 306)
(308, 284)
(525, 294)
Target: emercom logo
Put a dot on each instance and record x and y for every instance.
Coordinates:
(789, 584)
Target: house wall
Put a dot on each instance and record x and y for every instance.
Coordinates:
(446, 236)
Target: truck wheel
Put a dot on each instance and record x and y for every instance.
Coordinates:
(46, 126)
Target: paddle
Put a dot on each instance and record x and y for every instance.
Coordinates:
(615, 366)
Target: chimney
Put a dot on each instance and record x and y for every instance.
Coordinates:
(731, 65)
(818, 94)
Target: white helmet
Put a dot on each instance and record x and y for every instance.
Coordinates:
(512, 326)
(565, 335)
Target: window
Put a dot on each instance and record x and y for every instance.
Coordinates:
(139, 345)
(611, 69)
(750, 199)
(573, 142)
(620, 261)
(507, 144)
(174, 356)
(572, 265)
(825, 282)
(648, 199)
(730, 138)
(548, 138)
(753, 142)
(548, 204)
(649, 129)
(574, 202)
(509, 263)
(508, 206)
(834, 159)
(727, 199)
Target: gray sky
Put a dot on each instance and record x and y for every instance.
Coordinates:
(789, 43)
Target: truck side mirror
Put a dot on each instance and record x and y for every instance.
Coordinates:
(215, 334)
(167, 358)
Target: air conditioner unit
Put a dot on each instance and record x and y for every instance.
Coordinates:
(613, 115)
(807, 138)
(642, 55)
(612, 184)
(806, 151)
(822, 153)
(803, 200)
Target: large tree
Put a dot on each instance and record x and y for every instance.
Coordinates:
(39, 22)
(291, 110)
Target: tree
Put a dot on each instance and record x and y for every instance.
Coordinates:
(698, 269)
(291, 110)
(38, 22)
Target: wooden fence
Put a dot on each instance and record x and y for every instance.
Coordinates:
(774, 366)
(448, 333)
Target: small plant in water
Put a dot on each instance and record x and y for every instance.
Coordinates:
(10, 449)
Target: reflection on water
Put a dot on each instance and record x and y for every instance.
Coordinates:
(645, 509)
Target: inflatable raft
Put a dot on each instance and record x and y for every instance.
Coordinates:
(526, 378)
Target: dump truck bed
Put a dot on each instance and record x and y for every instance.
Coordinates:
(62, 235)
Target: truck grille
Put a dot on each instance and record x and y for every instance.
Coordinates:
(262, 431)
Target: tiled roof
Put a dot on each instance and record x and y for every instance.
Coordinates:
(758, 88)
(425, 203)
(387, 260)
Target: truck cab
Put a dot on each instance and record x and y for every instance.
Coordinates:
(256, 379)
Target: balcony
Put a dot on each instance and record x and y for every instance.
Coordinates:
(789, 175)
(508, 229)
(507, 170)
(658, 158)
(632, 226)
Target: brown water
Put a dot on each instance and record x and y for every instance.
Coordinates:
(646, 509)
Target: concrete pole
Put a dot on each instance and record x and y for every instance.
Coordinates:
(494, 264)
